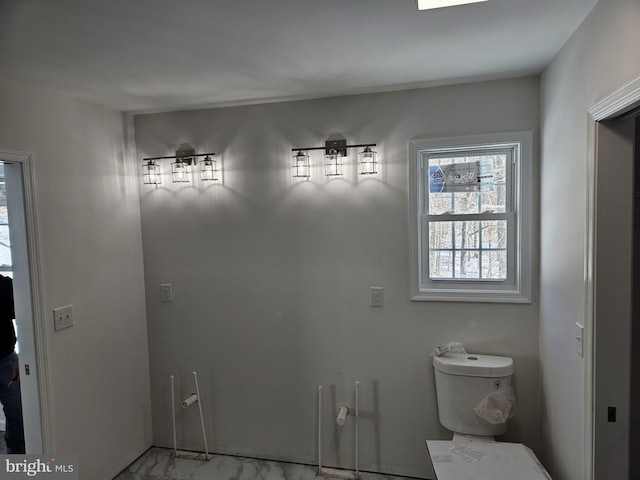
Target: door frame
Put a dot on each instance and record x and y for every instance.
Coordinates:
(617, 103)
(25, 160)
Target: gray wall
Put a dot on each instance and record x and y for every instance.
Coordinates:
(271, 280)
(91, 257)
(600, 58)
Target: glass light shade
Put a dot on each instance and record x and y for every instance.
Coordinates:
(301, 165)
(151, 173)
(208, 169)
(333, 164)
(367, 161)
(180, 171)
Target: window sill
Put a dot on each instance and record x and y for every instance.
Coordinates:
(485, 296)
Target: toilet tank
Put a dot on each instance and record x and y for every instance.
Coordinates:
(463, 381)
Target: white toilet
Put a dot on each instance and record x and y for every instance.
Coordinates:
(475, 400)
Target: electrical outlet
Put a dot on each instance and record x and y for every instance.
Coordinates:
(166, 292)
(377, 296)
(63, 317)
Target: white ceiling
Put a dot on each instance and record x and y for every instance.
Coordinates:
(151, 55)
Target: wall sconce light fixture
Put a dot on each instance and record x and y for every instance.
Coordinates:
(181, 168)
(333, 163)
(208, 169)
(367, 161)
(151, 172)
(335, 154)
(301, 165)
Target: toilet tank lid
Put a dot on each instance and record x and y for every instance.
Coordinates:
(473, 365)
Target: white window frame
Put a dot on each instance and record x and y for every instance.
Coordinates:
(517, 287)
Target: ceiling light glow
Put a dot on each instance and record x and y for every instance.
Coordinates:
(429, 4)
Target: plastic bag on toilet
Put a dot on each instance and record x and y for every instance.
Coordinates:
(497, 407)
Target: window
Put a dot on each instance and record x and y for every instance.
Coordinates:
(471, 218)
(5, 244)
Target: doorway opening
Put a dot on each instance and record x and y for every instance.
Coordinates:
(19, 259)
(613, 253)
(614, 283)
(634, 401)
(6, 270)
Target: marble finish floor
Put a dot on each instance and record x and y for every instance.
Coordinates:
(159, 464)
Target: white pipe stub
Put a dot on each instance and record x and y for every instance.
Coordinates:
(190, 400)
(342, 415)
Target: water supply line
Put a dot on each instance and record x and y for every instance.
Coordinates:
(204, 434)
(319, 428)
(186, 403)
(343, 412)
(173, 415)
(357, 386)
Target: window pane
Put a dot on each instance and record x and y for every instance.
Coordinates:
(499, 168)
(495, 200)
(441, 235)
(5, 250)
(467, 264)
(494, 265)
(494, 234)
(467, 202)
(467, 234)
(440, 203)
(441, 264)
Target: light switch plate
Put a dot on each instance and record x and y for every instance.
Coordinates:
(377, 296)
(166, 292)
(63, 317)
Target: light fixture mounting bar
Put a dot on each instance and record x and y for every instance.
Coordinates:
(336, 147)
(326, 148)
(179, 156)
